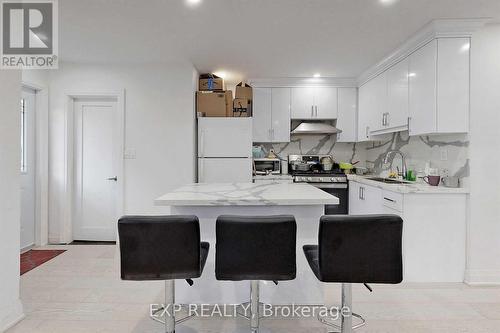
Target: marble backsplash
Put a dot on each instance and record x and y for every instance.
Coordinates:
(448, 153)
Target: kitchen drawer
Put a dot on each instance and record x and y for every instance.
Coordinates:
(392, 200)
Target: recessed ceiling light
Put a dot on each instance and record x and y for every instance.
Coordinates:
(317, 75)
(412, 74)
(193, 3)
(388, 2)
(465, 47)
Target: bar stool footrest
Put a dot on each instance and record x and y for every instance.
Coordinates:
(328, 322)
(158, 318)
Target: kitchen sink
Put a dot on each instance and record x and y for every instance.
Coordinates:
(388, 180)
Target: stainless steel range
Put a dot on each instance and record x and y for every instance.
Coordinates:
(310, 169)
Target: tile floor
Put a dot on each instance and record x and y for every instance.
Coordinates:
(80, 291)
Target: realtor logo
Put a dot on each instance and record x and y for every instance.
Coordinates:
(29, 34)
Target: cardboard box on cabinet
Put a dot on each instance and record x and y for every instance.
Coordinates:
(243, 91)
(214, 104)
(242, 107)
(210, 82)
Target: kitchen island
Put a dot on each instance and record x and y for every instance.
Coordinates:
(208, 201)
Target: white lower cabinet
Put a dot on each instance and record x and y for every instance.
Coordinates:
(364, 199)
(434, 229)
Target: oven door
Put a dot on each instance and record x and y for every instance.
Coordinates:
(340, 191)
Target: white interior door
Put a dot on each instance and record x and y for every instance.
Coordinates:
(28, 168)
(96, 169)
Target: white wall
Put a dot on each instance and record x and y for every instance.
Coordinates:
(159, 126)
(484, 225)
(10, 157)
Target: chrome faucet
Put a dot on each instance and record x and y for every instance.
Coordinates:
(403, 161)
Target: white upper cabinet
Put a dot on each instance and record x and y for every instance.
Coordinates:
(262, 104)
(378, 114)
(396, 117)
(271, 114)
(302, 103)
(280, 129)
(346, 121)
(423, 81)
(314, 103)
(453, 85)
(364, 111)
(439, 87)
(325, 102)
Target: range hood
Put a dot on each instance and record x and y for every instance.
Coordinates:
(315, 128)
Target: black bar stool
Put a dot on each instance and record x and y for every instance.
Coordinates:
(162, 248)
(255, 248)
(356, 249)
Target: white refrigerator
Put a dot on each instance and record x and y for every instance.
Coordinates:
(224, 150)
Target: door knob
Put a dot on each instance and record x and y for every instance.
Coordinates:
(113, 178)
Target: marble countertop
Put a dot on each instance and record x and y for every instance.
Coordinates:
(408, 188)
(246, 194)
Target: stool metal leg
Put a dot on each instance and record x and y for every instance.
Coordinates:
(254, 306)
(346, 314)
(170, 303)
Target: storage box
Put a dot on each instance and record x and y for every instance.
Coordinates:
(214, 104)
(210, 82)
(242, 107)
(240, 103)
(244, 91)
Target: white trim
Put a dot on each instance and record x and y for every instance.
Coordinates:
(441, 28)
(66, 232)
(41, 162)
(303, 82)
(13, 317)
(482, 277)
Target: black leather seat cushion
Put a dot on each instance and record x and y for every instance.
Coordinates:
(358, 249)
(256, 248)
(161, 247)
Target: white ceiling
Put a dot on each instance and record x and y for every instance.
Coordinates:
(251, 38)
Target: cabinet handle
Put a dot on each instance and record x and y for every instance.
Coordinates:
(409, 127)
(391, 200)
(312, 111)
(316, 107)
(383, 119)
(387, 119)
(359, 193)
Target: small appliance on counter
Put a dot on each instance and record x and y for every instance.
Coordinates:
(267, 166)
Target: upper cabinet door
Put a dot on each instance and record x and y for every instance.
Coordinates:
(422, 74)
(453, 85)
(262, 110)
(302, 103)
(397, 95)
(364, 109)
(280, 128)
(378, 87)
(325, 103)
(346, 120)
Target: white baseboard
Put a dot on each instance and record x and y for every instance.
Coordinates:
(13, 315)
(482, 277)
